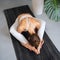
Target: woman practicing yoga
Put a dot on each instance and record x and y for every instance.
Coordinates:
(29, 31)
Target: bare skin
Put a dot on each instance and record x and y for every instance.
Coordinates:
(21, 27)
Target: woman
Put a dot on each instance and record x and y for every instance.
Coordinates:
(28, 26)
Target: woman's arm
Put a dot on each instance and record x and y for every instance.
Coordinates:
(41, 29)
(18, 36)
(40, 34)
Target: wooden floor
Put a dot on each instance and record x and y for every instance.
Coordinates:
(48, 52)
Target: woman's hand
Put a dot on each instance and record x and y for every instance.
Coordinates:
(32, 48)
(40, 46)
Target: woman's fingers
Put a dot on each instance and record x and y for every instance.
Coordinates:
(42, 42)
(35, 50)
(39, 47)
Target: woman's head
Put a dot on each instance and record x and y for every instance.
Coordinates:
(34, 40)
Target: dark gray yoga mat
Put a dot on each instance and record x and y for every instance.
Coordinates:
(48, 51)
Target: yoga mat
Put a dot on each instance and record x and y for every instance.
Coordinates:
(48, 51)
